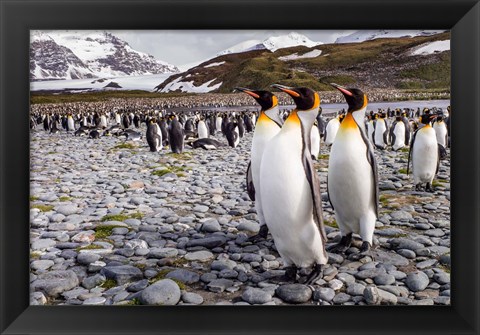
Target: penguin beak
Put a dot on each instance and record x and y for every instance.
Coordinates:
(248, 91)
(342, 89)
(289, 90)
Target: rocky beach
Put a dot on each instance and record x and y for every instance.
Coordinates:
(115, 224)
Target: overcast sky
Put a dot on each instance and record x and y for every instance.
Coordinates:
(181, 47)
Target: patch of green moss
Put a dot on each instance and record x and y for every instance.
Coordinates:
(63, 199)
(161, 173)
(102, 232)
(445, 268)
(136, 215)
(33, 198)
(124, 146)
(179, 262)
(35, 255)
(133, 302)
(180, 284)
(43, 208)
(404, 150)
(115, 217)
(51, 152)
(324, 156)
(331, 223)
(109, 283)
(402, 171)
(160, 275)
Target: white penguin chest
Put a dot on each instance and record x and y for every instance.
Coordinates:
(425, 155)
(264, 132)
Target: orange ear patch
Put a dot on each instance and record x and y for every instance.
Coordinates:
(274, 101)
(316, 101)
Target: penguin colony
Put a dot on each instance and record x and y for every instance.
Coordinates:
(281, 178)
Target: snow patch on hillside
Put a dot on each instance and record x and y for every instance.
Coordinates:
(189, 86)
(310, 54)
(367, 35)
(215, 64)
(430, 48)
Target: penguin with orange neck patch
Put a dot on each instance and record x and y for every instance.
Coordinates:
(290, 190)
(352, 176)
(424, 154)
(268, 125)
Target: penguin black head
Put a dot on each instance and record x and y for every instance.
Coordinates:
(305, 98)
(265, 99)
(427, 118)
(355, 97)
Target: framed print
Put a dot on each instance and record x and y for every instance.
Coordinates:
(107, 221)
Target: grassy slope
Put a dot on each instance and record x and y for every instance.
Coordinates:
(382, 63)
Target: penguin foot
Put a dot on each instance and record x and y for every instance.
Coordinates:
(316, 274)
(429, 188)
(365, 250)
(262, 234)
(341, 246)
(418, 187)
(291, 273)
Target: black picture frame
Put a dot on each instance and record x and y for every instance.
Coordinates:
(18, 17)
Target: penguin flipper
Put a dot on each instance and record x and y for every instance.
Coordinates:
(314, 182)
(385, 137)
(373, 163)
(411, 150)
(250, 186)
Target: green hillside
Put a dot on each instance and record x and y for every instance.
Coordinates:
(380, 63)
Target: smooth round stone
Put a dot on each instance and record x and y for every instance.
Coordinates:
(163, 252)
(256, 296)
(200, 256)
(417, 281)
(200, 209)
(87, 258)
(208, 277)
(250, 226)
(442, 278)
(323, 294)
(192, 298)
(335, 284)
(162, 292)
(341, 298)
(294, 293)
(211, 226)
(66, 209)
(384, 279)
(55, 282)
(93, 281)
(355, 289)
(138, 286)
(41, 264)
(43, 244)
(95, 301)
(185, 276)
(407, 253)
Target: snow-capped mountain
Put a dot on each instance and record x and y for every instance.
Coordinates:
(88, 54)
(272, 43)
(367, 35)
(48, 60)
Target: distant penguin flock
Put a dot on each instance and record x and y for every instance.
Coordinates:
(281, 178)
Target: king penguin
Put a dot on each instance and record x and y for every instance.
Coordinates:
(290, 190)
(442, 134)
(154, 136)
(332, 128)
(268, 125)
(398, 133)
(315, 141)
(70, 123)
(424, 154)
(202, 129)
(176, 135)
(380, 135)
(352, 183)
